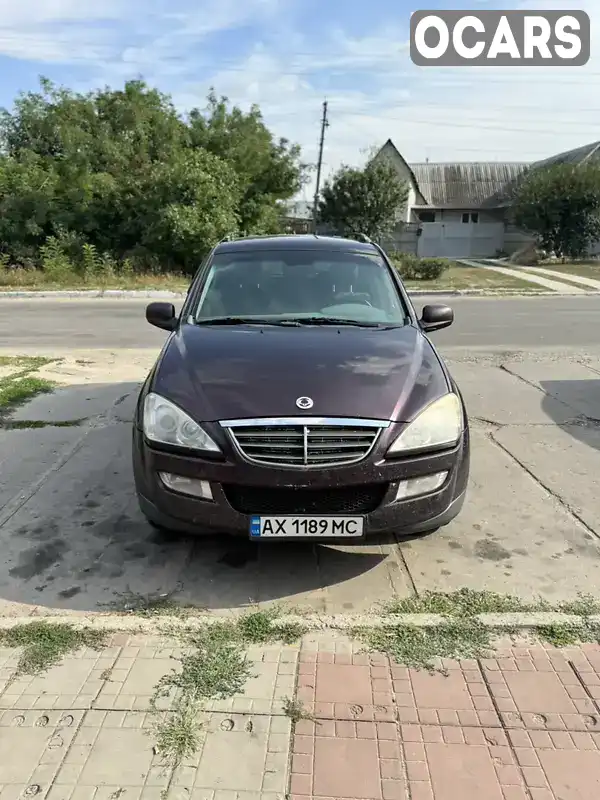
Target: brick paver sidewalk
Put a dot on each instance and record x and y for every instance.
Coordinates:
(525, 725)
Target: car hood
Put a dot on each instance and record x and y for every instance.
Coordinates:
(219, 373)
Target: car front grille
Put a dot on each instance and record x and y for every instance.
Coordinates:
(305, 442)
(285, 501)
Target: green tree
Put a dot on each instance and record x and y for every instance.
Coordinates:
(268, 170)
(28, 197)
(121, 172)
(560, 206)
(364, 200)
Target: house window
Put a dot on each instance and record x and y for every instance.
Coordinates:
(474, 217)
(465, 218)
(427, 216)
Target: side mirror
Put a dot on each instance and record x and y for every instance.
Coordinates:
(162, 315)
(436, 317)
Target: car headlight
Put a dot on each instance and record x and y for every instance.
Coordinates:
(166, 423)
(439, 425)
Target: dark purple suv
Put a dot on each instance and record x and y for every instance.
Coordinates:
(299, 397)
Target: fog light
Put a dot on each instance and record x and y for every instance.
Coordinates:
(190, 486)
(414, 487)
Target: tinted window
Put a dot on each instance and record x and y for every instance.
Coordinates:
(295, 283)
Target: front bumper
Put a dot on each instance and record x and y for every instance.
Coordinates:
(367, 489)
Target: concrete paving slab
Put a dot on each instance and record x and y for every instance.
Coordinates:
(76, 402)
(272, 680)
(568, 381)
(495, 395)
(25, 455)
(113, 753)
(75, 683)
(565, 460)
(512, 537)
(81, 542)
(240, 753)
(33, 745)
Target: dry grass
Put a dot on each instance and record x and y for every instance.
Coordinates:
(459, 277)
(32, 280)
(582, 269)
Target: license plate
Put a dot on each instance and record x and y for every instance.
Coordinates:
(306, 527)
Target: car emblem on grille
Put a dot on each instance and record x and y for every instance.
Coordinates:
(304, 402)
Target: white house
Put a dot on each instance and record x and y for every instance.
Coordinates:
(459, 210)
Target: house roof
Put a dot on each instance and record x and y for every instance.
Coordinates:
(578, 155)
(391, 147)
(486, 184)
(463, 185)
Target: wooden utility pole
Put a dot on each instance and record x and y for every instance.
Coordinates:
(324, 126)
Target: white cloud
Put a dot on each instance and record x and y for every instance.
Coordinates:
(441, 114)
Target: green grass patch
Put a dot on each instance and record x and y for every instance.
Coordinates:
(25, 363)
(25, 425)
(462, 635)
(20, 386)
(463, 603)
(46, 644)
(420, 648)
(470, 603)
(17, 391)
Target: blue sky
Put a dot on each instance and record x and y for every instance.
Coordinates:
(290, 55)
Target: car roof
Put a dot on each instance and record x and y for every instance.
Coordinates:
(294, 242)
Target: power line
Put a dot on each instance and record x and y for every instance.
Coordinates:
(324, 126)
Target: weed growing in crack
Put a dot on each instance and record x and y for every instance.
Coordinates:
(179, 734)
(214, 667)
(463, 635)
(294, 709)
(150, 605)
(45, 644)
(463, 603)
(420, 648)
(257, 628)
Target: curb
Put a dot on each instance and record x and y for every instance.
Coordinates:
(166, 295)
(143, 624)
(156, 293)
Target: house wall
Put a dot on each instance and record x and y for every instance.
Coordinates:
(391, 157)
(455, 215)
(404, 239)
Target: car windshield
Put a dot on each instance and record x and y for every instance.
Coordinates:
(304, 287)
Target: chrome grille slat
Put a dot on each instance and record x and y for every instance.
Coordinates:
(306, 442)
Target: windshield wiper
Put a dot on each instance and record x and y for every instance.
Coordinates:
(237, 321)
(329, 321)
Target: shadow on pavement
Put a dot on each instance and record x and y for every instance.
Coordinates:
(72, 535)
(583, 396)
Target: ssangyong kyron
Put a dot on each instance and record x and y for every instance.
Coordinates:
(299, 396)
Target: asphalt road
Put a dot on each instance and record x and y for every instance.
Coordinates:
(483, 323)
